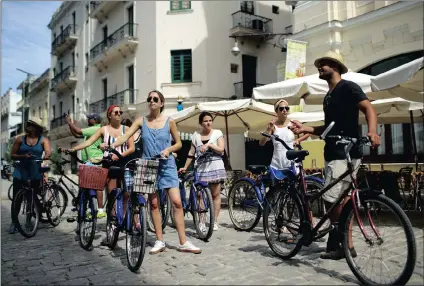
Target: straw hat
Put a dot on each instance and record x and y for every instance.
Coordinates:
(334, 57)
(36, 122)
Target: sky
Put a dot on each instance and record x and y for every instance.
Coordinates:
(25, 40)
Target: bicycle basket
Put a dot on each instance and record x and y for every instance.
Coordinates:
(92, 177)
(145, 176)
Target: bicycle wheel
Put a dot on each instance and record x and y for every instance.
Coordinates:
(164, 210)
(242, 197)
(400, 228)
(26, 204)
(112, 230)
(63, 197)
(136, 238)
(87, 223)
(286, 210)
(10, 193)
(203, 212)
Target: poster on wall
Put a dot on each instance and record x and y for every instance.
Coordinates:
(295, 59)
(281, 71)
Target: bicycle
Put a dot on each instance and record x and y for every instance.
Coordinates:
(200, 200)
(292, 194)
(34, 201)
(91, 179)
(249, 195)
(132, 217)
(164, 208)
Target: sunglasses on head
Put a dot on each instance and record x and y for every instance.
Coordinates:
(154, 98)
(117, 112)
(281, 108)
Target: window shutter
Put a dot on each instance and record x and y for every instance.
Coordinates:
(176, 67)
(186, 68)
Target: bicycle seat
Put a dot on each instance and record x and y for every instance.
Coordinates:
(297, 155)
(115, 172)
(257, 169)
(44, 169)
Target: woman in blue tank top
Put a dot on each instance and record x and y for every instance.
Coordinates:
(156, 131)
(32, 144)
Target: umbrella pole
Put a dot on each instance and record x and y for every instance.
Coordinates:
(228, 139)
(414, 142)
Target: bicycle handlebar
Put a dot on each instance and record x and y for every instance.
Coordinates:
(277, 138)
(73, 154)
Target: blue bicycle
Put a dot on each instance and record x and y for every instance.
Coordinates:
(126, 206)
(246, 199)
(200, 202)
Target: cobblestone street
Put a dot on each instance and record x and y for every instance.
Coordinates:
(53, 256)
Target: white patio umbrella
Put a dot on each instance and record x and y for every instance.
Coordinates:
(230, 116)
(405, 81)
(311, 87)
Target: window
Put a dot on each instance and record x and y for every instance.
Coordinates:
(247, 7)
(87, 12)
(180, 5)
(275, 9)
(181, 70)
(39, 112)
(33, 113)
(54, 111)
(234, 68)
(86, 62)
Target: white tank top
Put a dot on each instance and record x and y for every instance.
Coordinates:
(108, 139)
(279, 159)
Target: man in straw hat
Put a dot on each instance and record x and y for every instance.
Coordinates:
(32, 144)
(341, 105)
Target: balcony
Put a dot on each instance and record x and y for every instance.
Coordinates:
(119, 44)
(245, 24)
(121, 98)
(244, 90)
(101, 9)
(65, 41)
(20, 105)
(40, 82)
(57, 122)
(64, 80)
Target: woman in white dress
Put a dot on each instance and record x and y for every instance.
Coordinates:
(279, 126)
(212, 170)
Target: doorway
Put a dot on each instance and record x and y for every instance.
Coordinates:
(249, 74)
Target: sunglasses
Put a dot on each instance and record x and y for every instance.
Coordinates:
(281, 108)
(117, 112)
(155, 99)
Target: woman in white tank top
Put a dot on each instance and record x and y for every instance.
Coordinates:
(280, 126)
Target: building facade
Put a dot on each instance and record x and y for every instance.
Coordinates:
(118, 51)
(11, 118)
(373, 37)
(38, 98)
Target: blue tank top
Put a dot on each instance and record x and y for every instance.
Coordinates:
(28, 170)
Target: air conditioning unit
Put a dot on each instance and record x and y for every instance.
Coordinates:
(258, 25)
(291, 3)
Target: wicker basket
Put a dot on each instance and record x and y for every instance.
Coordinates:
(92, 177)
(145, 176)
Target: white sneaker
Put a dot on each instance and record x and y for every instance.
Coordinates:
(189, 247)
(158, 247)
(202, 227)
(215, 226)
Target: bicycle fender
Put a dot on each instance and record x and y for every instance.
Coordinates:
(253, 183)
(315, 179)
(93, 193)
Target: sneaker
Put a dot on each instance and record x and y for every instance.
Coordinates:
(338, 254)
(158, 247)
(100, 213)
(189, 247)
(202, 227)
(215, 226)
(13, 229)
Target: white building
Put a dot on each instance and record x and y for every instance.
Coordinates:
(373, 37)
(121, 50)
(10, 117)
(38, 98)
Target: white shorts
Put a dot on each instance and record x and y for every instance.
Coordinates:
(333, 170)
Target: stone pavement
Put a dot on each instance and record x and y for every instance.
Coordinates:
(53, 256)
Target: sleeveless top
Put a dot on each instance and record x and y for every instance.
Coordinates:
(28, 170)
(108, 139)
(155, 140)
(279, 160)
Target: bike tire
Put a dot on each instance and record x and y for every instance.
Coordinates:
(231, 197)
(347, 215)
(164, 210)
(63, 201)
(16, 209)
(64, 195)
(196, 219)
(312, 187)
(10, 193)
(111, 220)
(90, 203)
(134, 265)
(275, 194)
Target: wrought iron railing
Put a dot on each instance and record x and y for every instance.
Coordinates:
(121, 98)
(252, 22)
(41, 78)
(65, 74)
(129, 30)
(57, 122)
(240, 92)
(94, 5)
(70, 29)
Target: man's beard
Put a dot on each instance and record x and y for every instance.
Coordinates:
(325, 76)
